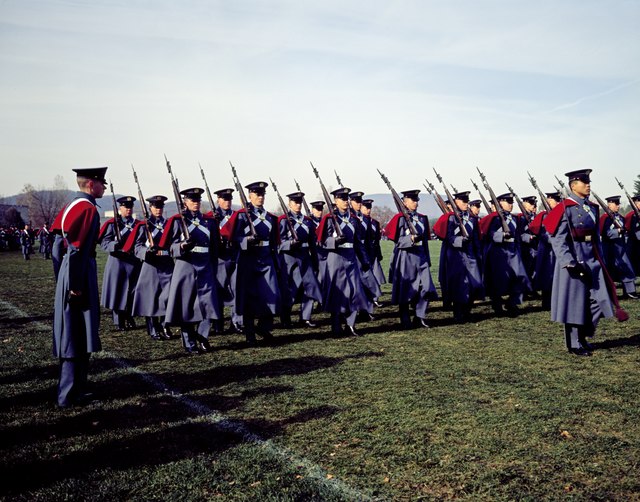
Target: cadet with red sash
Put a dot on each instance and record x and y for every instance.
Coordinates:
(257, 288)
(504, 272)
(409, 270)
(76, 308)
(460, 258)
(122, 267)
(632, 224)
(615, 248)
(152, 288)
(528, 240)
(582, 291)
(298, 262)
(317, 209)
(374, 252)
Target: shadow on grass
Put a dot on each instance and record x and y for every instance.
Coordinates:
(20, 321)
(631, 341)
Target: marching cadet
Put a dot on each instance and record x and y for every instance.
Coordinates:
(545, 257)
(76, 309)
(460, 258)
(581, 286)
(26, 241)
(474, 208)
(44, 236)
(298, 262)
(317, 211)
(632, 225)
(122, 268)
(528, 240)
(257, 288)
(615, 248)
(504, 272)
(340, 233)
(374, 251)
(193, 240)
(227, 258)
(372, 288)
(152, 288)
(409, 270)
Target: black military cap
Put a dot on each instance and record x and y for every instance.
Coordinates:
(614, 198)
(126, 201)
(411, 194)
(157, 200)
(463, 196)
(259, 187)
(297, 196)
(194, 194)
(506, 197)
(475, 202)
(531, 199)
(341, 193)
(94, 173)
(317, 204)
(357, 196)
(580, 174)
(225, 193)
(635, 198)
(367, 203)
(554, 195)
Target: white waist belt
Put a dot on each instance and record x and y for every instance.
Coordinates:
(262, 244)
(162, 253)
(346, 245)
(200, 249)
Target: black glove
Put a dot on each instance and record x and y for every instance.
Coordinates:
(366, 267)
(188, 245)
(295, 245)
(507, 236)
(418, 238)
(577, 270)
(340, 240)
(252, 240)
(117, 246)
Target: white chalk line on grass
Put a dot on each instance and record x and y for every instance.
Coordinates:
(217, 419)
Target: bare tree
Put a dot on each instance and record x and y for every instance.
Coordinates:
(44, 203)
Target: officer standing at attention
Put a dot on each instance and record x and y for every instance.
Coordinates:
(615, 248)
(257, 288)
(409, 270)
(194, 240)
(342, 289)
(504, 272)
(26, 241)
(152, 288)
(45, 238)
(580, 295)
(298, 262)
(227, 259)
(76, 307)
(122, 268)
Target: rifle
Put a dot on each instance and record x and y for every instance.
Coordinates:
(439, 200)
(520, 204)
(609, 212)
(564, 188)
(285, 212)
(145, 211)
(486, 205)
(633, 204)
(327, 200)
(400, 205)
(494, 199)
(243, 200)
(338, 179)
(304, 201)
(176, 194)
(116, 214)
(206, 187)
(543, 197)
(456, 210)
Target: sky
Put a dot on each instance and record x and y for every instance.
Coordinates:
(398, 86)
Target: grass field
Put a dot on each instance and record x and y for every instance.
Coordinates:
(494, 410)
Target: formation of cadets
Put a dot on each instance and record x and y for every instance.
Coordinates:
(180, 273)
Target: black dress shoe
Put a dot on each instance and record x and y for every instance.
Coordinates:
(156, 336)
(351, 331)
(235, 328)
(377, 303)
(203, 346)
(587, 346)
(421, 323)
(265, 335)
(630, 296)
(165, 334)
(130, 324)
(309, 324)
(581, 351)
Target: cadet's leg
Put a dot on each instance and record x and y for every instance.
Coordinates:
(249, 329)
(306, 309)
(151, 328)
(188, 331)
(421, 312)
(405, 316)
(265, 325)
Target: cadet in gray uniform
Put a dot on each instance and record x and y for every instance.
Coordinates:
(152, 288)
(76, 307)
(580, 295)
(122, 267)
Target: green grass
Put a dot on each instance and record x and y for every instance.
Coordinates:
(493, 410)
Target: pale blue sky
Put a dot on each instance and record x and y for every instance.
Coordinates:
(510, 86)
